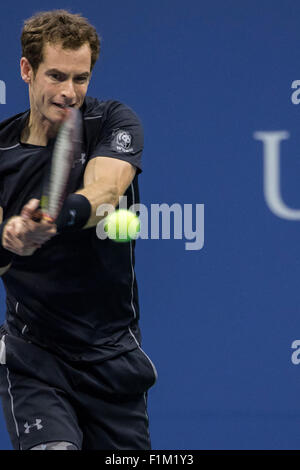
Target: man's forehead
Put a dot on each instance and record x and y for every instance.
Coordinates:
(55, 55)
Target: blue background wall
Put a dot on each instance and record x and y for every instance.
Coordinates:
(218, 322)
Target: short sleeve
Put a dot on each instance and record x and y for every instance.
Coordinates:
(121, 136)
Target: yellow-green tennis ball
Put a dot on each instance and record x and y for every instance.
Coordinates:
(122, 225)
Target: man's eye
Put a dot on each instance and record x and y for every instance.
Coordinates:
(56, 76)
(60, 78)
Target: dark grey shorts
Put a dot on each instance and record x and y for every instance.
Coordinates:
(94, 406)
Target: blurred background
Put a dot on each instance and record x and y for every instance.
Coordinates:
(219, 322)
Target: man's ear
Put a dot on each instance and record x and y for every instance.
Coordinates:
(26, 70)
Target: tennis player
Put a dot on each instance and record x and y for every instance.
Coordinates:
(73, 375)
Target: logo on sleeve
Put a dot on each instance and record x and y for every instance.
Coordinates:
(122, 141)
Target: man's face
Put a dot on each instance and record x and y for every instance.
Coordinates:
(61, 79)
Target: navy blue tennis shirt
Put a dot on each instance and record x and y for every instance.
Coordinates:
(77, 294)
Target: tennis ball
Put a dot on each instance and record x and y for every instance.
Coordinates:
(122, 225)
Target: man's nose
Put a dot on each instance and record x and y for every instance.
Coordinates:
(68, 90)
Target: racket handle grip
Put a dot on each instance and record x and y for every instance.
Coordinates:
(48, 218)
(40, 215)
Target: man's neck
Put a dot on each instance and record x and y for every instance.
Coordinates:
(35, 133)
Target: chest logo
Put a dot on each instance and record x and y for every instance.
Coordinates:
(81, 159)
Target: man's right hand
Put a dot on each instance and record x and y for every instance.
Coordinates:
(24, 236)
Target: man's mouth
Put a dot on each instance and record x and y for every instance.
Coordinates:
(60, 105)
(63, 106)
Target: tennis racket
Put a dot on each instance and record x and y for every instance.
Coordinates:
(66, 147)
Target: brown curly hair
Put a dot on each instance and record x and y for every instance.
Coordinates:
(57, 27)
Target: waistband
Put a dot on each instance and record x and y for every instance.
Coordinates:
(104, 349)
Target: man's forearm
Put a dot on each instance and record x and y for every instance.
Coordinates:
(98, 194)
(5, 255)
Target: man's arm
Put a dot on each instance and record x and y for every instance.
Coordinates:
(3, 269)
(105, 180)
